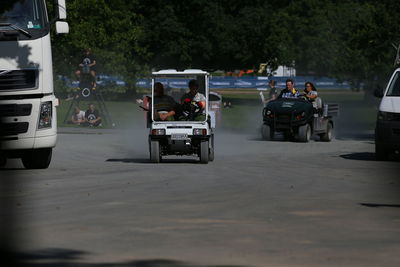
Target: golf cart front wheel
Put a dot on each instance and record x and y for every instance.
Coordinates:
(266, 132)
(211, 152)
(204, 152)
(155, 156)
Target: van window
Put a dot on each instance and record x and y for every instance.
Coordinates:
(394, 88)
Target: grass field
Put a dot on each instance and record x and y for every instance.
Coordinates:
(245, 114)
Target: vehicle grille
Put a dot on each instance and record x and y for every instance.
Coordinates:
(15, 110)
(18, 79)
(13, 128)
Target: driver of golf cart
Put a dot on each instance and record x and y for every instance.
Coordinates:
(164, 105)
(193, 103)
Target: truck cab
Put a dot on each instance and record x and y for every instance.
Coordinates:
(387, 130)
(28, 116)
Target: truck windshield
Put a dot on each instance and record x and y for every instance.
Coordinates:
(394, 88)
(28, 15)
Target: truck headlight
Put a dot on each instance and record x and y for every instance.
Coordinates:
(45, 115)
(199, 131)
(158, 132)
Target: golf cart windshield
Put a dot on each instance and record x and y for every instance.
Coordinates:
(176, 97)
(394, 88)
(27, 16)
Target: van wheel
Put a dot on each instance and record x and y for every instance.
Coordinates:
(266, 132)
(328, 135)
(304, 134)
(211, 152)
(37, 158)
(380, 152)
(155, 156)
(204, 152)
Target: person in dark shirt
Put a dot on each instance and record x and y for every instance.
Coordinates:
(289, 91)
(164, 105)
(87, 65)
(273, 92)
(92, 117)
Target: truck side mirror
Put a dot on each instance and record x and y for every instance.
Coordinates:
(61, 10)
(62, 27)
(378, 92)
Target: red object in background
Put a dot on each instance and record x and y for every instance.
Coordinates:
(186, 100)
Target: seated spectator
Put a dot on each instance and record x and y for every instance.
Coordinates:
(78, 117)
(311, 94)
(92, 117)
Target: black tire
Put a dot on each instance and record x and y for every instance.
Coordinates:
(37, 158)
(204, 152)
(328, 135)
(266, 132)
(155, 156)
(304, 134)
(211, 152)
(380, 152)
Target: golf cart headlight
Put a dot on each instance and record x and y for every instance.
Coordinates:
(387, 116)
(303, 114)
(269, 112)
(158, 132)
(46, 115)
(199, 131)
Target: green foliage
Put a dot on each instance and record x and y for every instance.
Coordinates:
(350, 40)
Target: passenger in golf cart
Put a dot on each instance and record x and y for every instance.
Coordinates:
(165, 106)
(193, 104)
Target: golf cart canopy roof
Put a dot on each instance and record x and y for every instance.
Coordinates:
(185, 72)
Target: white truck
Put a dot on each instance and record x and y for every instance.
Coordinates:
(28, 120)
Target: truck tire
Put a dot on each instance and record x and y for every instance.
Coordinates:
(266, 132)
(211, 152)
(304, 134)
(37, 158)
(328, 135)
(380, 152)
(155, 156)
(204, 152)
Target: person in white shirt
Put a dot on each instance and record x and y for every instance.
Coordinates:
(78, 117)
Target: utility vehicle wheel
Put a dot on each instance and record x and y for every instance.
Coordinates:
(328, 135)
(155, 151)
(266, 132)
(37, 158)
(380, 152)
(211, 152)
(204, 152)
(304, 134)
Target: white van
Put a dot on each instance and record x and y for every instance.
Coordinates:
(387, 131)
(28, 123)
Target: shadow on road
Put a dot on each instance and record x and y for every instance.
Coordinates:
(164, 160)
(377, 205)
(368, 156)
(67, 258)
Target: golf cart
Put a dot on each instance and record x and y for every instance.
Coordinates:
(185, 133)
(298, 119)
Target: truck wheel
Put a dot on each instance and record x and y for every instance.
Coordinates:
(37, 158)
(304, 134)
(328, 135)
(266, 132)
(155, 151)
(211, 152)
(204, 152)
(380, 152)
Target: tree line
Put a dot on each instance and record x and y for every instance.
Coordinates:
(348, 40)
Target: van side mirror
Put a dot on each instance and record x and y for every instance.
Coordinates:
(378, 92)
